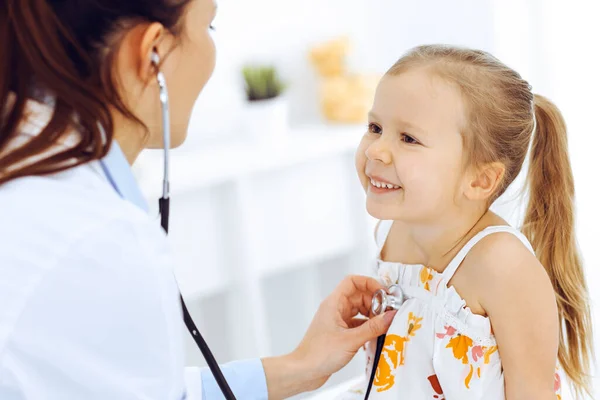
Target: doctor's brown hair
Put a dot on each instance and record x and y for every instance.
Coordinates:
(500, 123)
(65, 49)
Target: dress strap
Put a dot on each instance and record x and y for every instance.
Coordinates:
(456, 261)
(381, 233)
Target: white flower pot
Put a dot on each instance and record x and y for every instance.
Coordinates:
(266, 120)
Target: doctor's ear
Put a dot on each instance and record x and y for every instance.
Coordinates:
(483, 182)
(151, 46)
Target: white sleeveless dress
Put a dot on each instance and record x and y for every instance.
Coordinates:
(436, 348)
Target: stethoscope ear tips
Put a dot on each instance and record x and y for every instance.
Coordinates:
(384, 300)
(155, 58)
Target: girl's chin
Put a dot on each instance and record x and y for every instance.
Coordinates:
(381, 211)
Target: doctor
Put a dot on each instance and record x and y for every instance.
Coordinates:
(89, 305)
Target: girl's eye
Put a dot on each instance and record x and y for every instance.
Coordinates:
(374, 128)
(408, 139)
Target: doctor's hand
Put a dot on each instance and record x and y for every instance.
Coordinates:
(331, 341)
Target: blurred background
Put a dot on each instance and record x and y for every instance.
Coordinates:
(268, 215)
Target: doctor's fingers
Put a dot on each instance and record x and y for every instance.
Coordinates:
(356, 322)
(371, 328)
(354, 295)
(354, 284)
(350, 307)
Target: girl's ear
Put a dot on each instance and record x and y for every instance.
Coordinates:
(484, 181)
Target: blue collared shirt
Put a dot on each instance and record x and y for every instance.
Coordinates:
(246, 378)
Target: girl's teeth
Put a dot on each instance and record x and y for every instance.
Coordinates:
(384, 185)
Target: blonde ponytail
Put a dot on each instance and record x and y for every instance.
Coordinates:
(550, 226)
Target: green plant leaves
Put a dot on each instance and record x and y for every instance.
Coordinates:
(262, 82)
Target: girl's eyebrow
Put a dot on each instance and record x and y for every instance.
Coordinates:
(400, 122)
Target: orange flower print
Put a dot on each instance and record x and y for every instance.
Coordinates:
(437, 388)
(392, 355)
(460, 347)
(469, 376)
(473, 357)
(426, 276)
(413, 324)
(488, 351)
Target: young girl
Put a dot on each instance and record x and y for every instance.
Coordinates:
(488, 312)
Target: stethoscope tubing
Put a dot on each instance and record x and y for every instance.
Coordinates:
(164, 208)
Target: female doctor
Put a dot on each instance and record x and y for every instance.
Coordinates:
(89, 304)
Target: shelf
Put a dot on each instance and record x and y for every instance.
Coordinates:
(196, 168)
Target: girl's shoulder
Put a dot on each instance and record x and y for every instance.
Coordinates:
(499, 250)
(503, 264)
(498, 256)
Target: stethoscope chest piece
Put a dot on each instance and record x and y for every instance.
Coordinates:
(384, 300)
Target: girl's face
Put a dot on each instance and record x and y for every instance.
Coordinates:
(410, 160)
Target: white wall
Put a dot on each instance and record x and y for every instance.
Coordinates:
(281, 32)
(571, 43)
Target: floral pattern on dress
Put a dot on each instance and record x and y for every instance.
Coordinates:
(557, 383)
(474, 357)
(426, 276)
(393, 354)
(437, 388)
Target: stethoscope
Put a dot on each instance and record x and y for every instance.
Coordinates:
(387, 299)
(383, 300)
(163, 207)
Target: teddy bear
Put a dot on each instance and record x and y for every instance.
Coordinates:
(345, 97)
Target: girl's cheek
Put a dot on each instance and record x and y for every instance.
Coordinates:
(360, 157)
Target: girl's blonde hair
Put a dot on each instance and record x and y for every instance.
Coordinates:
(502, 115)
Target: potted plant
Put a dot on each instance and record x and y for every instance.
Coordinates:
(266, 116)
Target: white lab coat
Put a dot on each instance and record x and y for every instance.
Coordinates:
(88, 299)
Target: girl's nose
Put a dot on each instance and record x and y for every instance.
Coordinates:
(379, 150)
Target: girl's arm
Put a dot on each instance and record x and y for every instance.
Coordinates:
(521, 304)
